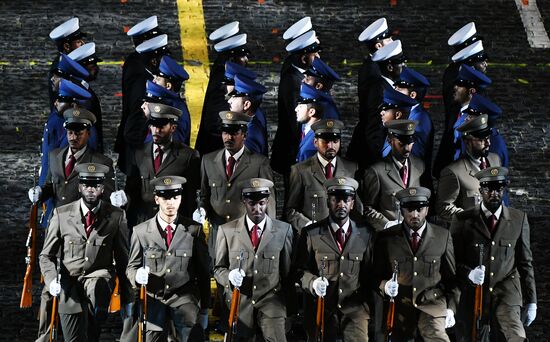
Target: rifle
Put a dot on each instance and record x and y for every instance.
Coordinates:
(231, 335)
(54, 321)
(478, 303)
(391, 309)
(205, 225)
(30, 259)
(114, 305)
(320, 318)
(142, 328)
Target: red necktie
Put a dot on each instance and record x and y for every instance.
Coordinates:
(483, 163)
(229, 167)
(493, 222)
(328, 171)
(415, 242)
(169, 235)
(254, 237)
(90, 220)
(340, 239)
(158, 159)
(303, 135)
(70, 166)
(404, 173)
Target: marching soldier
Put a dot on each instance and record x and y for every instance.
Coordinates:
(506, 271)
(307, 179)
(395, 106)
(308, 111)
(425, 291)
(87, 233)
(67, 37)
(458, 188)
(399, 170)
(168, 254)
(320, 76)
(266, 245)
(332, 261)
(223, 169)
(161, 157)
(230, 47)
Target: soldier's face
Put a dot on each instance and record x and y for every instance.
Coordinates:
(481, 66)
(312, 81)
(55, 80)
(461, 94)
(168, 207)
(91, 193)
(340, 206)
(233, 141)
(327, 148)
(238, 104)
(414, 217)
(491, 195)
(390, 114)
(61, 107)
(302, 113)
(255, 209)
(77, 139)
(162, 135)
(161, 81)
(93, 69)
(400, 150)
(478, 147)
(241, 60)
(395, 70)
(75, 44)
(308, 58)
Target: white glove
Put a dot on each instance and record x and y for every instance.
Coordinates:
(528, 314)
(450, 319)
(142, 275)
(320, 286)
(199, 215)
(236, 277)
(308, 223)
(118, 198)
(34, 194)
(391, 288)
(391, 223)
(477, 275)
(55, 287)
(203, 318)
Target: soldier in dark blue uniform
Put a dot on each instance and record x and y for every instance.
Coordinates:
(230, 47)
(322, 77)
(134, 77)
(309, 110)
(246, 98)
(67, 37)
(86, 57)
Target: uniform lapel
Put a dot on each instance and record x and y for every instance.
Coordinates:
(219, 163)
(76, 219)
(61, 160)
(352, 239)
(326, 236)
(154, 234)
(425, 240)
(242, 164)
(316, 169)
(243, 235)
(102, 217)
(480, 223)
(267, 234)
(340, 169)
(415, 171)
(170, 158)
(504, 223)
(179, 237)
(392, 172)
(145, 154)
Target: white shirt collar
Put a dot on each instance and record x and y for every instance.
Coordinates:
(76, 155)
(324, 162)
(398, 163)
(299, 69)
(163, 223)
(420, 231)
(307, 128)
(488, 213)
(251, 224)
(463, 108)
(334, 226)
(236, 156)
(85, 209)
(416, 105)
(389, 80)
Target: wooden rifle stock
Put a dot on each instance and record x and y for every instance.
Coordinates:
(231, 334)
(54, 321)
(30, 259)
(390, 318)
(478, 303)
(114, 305)
(142, 330)
(320, 318)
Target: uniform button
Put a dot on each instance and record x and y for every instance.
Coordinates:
(184, 254)
(339, 306)
(509, 245)
(326, 257)
(342, 257)
(228, 185)
(492, 274)
(62, 198)
(227, 217)
(492, 243)
(66, 182)
(435, 294)
(256, 256)
(213, 184)
(168, 270)
(253, 302)
(341, 274)
(415, 274)
(87, 242)
(356, 258)
(414, 289)
(152, 256)
(227, 201)
(415, 258)
(167, 286)
(254, 287)
(70, 242)
(169, 253)
(340, 291)
(490, 289)
(86, 258)
(492, 258)
(415, 305)
(315, 195)
(272, 257)
(255, 271)
(227, 286)
(513, 277)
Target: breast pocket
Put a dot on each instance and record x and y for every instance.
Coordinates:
(317, 201)
(155, 259)
(354, 262)
(235, 259)
(75, 248)
(506, 249)
(431, 265)
(473, 198)
(182, 258)
(146, 191)
(215, 189)
(270, 260)
(327, 263)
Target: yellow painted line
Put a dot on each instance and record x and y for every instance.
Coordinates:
(195, 52)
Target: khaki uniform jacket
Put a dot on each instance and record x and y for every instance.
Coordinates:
(66, 190)
(222, 197)
(179, 274)
(180, 161)
(267, 269)
(85, 258)
(306, 187)
(380, 183)
(458, 187)
(426, 278)
(509, 275)
(348, 271)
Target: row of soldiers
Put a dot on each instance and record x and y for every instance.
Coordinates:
(320, 192)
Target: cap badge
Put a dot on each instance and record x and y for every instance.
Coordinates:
(76, 112)
(410, 127)
(412, 192)
(330, 124)
(494, 172)
(483, 121)
(157, 109)
(229, 116)
(167, 181)
(255, 183)
(91, 168)
(341, 181)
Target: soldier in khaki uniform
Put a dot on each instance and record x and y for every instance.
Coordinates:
(307, 178)
(506, 273)
(332, 260)
(87, 233)
(397, 171)
(266, 246)
(169, 255)
(425, 291)
(458, 187)
(222, 170)
(162, 157)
